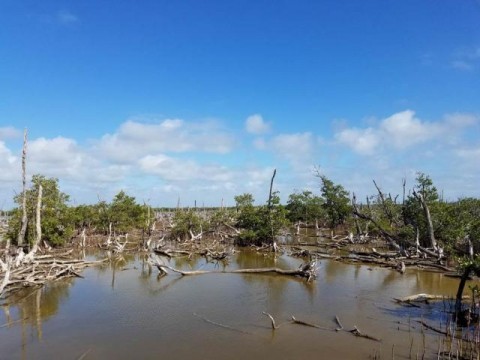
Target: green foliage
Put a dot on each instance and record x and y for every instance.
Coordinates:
(186, 223)
(57, 220)
(304, 207)
(244, 200)
(336, 202)
(84, 216)
(125, 214)
(260, 224)
(221, 217)
(457, 222)
(414, 215)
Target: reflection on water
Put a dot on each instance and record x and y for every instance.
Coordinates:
(33, 307)
(123, 310)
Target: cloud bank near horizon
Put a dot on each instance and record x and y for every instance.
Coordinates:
(162, 160)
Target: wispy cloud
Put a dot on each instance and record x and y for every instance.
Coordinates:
(9, 132)
(256, 125)
(466, 59)
(65, 17)
(462, 65)
(296, 148)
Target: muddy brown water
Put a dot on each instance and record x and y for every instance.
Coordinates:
(122, 311)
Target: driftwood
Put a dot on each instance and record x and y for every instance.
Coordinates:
(220, 325)
(274, 324)
(305, 323)
(294, 321)
(38, 272)
(432, 327)
(421, 298)
(355, 331)
(307, 271)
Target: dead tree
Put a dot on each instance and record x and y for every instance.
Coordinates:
(270, 205)
(426, 210)
(38, 227)
(459, 315)
(386, 209)
(271, 185)
(23, 227)
(389, 237)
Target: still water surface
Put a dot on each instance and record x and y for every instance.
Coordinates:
(123, 311)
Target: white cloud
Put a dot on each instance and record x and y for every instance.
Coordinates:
(362, 141)
(173, 169)
(165, 159)
(8, 164)
(402, 130)
(297, 148)
(459, 120)
(9, 132)
(134, 139)
(256, 125)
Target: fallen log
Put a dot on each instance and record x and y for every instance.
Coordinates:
(299, 272)
(355, 331)
(307, 271)
(305, 323)
(421, 298)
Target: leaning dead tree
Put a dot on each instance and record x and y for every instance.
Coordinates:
(392, 239)
(387, 235)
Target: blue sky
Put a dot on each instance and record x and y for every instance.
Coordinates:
(202, 100)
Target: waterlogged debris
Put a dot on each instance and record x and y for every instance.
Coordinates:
(307, 271)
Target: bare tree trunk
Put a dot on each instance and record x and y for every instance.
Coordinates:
(386, 210)
(270, 204)
(426, 210)
(84, 237)
(470, 248)
(271, 185)
(461, 286)
(38, 227)
(355, 219)
(389, 237)
(6, 276)
(23, 228)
